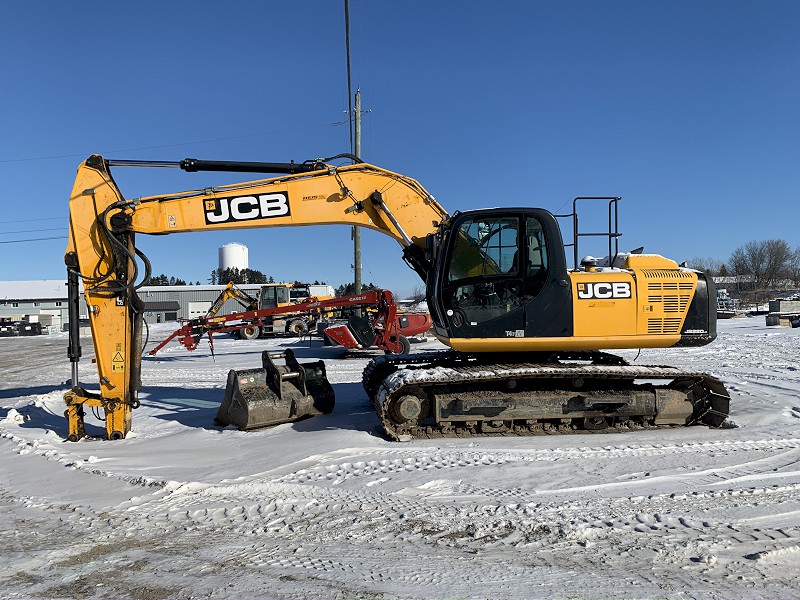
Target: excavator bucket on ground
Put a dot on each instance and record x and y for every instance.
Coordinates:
(276, 393)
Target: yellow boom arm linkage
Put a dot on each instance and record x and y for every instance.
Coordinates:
(102, 253)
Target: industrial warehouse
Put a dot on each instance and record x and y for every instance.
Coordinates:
(45, 302)
(40, 306)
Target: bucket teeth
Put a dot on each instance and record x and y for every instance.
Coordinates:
(276, 393)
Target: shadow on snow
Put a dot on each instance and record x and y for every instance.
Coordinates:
(196, 408)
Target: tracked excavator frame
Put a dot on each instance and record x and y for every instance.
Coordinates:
(527, 329)
(449, 394)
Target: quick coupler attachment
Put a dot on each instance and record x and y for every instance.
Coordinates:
(117, 414)
(276, 393)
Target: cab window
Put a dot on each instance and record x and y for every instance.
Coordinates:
(283, 295)
(484, 247)
(537, 264)
(267, 299)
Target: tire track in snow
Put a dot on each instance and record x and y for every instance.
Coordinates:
(543, 531)
(311, 526)
(311, 529)
(304, 499)
(441, 575)
(386, 462)
(341, 514)
(409, 460)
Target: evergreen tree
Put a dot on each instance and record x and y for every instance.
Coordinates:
(253, 276)
(164, 280)
(349, 289)
(233, 274)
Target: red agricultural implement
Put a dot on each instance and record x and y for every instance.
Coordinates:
(383, 327)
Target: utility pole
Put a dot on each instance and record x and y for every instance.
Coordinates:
(356, 228)
(355, 148)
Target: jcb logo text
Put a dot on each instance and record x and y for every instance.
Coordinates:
(616, 289)
(246, 208)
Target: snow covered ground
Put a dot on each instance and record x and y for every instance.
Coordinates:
(327, 508)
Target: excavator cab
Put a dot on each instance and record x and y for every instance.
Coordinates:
(501, 273)
(274, 295)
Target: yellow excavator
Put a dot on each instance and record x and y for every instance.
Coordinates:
(527, 332)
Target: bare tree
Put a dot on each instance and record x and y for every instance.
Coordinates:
(766, 261)
(779, 254)
(793, 267)
(711, 266)
(749, 260)
(418, 293)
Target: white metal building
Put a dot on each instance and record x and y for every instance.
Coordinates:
(45, 301)
(164, 303)
(42, 300)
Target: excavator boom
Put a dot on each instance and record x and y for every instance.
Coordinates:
(101, 248)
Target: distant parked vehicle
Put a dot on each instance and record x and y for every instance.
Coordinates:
(16, 328)
(8, 328)
(25, 328)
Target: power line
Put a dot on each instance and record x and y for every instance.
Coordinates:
(222, 139)
(27, 220)
(58, 237)
(31, 230)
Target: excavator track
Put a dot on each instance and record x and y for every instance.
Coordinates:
(454, 394)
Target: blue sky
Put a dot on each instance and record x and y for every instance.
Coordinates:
(688, 110)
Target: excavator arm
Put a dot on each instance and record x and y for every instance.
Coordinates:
(359, 194)
(231, 292)
(102, 253)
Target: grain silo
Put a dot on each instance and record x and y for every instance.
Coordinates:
(233, 256)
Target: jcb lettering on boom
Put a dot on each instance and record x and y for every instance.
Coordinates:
(246, 208)
(603, 290)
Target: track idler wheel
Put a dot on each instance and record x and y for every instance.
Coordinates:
(408, 409)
